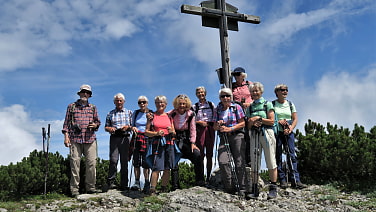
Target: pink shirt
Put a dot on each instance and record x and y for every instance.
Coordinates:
(242, 92)
(192, 132)
(161, 122)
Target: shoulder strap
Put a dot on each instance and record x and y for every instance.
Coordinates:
(290, 104)
(136, 112)
(196, 107)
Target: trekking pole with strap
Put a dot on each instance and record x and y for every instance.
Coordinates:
(216, 149)
(231, 162)
(255, 190)
(134, 136)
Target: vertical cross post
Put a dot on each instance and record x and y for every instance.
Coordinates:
(216, 14)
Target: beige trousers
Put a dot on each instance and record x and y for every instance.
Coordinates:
(89, 150)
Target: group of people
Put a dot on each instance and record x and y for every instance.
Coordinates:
(157, 140)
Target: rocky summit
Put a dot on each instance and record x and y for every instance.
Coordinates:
(313, 198)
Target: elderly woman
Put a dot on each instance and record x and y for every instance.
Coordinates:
(139, 120)
(240, 88)
(287, 119)
(162, 158)
(184, 120)
(260, 122)
(229, 122)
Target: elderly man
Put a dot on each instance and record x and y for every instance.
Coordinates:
(118, 124)
(81, 122)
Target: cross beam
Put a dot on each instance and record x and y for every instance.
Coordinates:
(215, 14)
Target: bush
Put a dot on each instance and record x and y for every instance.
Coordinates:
(335, 154)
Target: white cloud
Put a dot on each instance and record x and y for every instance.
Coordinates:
(16, 135)
(340, 98)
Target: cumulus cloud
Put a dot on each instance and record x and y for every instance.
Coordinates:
(340, 98)
(34, 29)
(16, 134)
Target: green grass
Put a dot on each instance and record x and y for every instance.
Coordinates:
(151, 203)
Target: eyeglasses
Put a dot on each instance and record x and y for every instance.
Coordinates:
(182, 96)
(284, 89)
(225, 95)
(142, 102)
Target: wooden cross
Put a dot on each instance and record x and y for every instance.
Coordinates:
(219, 14)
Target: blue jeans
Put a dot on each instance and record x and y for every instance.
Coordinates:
(289, 142)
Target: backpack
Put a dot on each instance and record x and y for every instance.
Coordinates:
(247, 83)
(185, 143)
(276, 116)
(265, 108)
(290, 104)
(234, 107)
(136, 112)
(197, 107)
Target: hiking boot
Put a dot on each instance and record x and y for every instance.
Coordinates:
(255, 192)
(272, 191)
(93, 191)
(200, 183)
(136, 186)
(298, 185)
(123, 188)
(75, 193)
(283, 185)
(108, 186)
(146, 187)
(152, 191)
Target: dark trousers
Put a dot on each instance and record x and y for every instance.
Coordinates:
(119, 146)
(194, 157)
(292, 162)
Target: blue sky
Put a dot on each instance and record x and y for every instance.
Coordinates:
(324, 50)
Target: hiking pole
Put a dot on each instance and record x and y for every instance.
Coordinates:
(134, 135)
(46, 155)
(216, 150)
(44, 151)
(231, 162)
(255, 190)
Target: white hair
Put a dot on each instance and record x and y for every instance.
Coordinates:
(119, 95)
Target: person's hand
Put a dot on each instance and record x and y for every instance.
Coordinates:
(150, 116)
(193, 147)
(203, 123)
(92, 125)
(160, 133)
(67, 142)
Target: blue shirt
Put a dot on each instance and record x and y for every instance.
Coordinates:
(139, 121)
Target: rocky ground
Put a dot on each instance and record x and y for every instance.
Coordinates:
(313, 198)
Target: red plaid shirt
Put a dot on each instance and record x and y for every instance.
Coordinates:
(81, 115)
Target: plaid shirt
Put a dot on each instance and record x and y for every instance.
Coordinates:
(81, 115)
(118, 118)
(233, 114)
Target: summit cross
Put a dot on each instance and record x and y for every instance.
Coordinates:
(219, 14)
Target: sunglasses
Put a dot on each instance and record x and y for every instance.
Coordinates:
(284, 89)
(236, 74)
(85, 91)
(226, 95)
(142, 102)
